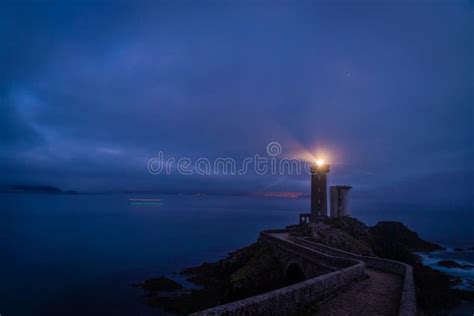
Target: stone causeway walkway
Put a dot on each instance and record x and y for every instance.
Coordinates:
(379, 294)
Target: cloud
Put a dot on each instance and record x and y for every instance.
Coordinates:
(90, 93)
(16, 129)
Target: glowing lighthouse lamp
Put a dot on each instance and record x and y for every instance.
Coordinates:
(319, 162)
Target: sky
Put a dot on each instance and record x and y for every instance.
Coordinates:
(90, 91)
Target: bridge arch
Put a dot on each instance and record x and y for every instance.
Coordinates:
(294, 273)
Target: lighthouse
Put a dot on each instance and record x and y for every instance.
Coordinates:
(319, 203)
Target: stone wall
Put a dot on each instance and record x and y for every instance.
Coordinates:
(408, 299)
(288, 300)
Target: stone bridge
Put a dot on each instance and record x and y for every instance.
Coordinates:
(350, 284)
(301, 262)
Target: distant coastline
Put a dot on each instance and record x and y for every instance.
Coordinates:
(49, 189)
(40, 189)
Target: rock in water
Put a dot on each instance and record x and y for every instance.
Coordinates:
(454, 264)
(161, 284)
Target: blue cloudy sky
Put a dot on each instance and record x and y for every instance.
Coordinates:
(89, 91)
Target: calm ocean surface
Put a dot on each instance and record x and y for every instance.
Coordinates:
(79, 254)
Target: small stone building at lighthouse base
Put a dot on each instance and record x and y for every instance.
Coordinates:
(339, 200)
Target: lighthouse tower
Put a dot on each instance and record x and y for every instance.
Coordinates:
(319, 203)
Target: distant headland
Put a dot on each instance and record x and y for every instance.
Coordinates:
(28, 188)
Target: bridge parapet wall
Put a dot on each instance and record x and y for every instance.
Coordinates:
(408, 298)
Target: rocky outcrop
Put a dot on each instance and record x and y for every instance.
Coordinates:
(160, 284)
(340, 239)
(454, 264)
(246, 272)
(393, 240)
